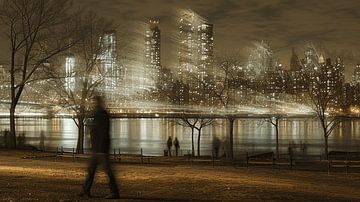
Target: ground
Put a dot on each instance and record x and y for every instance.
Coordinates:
(47, 179)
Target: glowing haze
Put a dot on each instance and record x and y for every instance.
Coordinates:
(237, 24)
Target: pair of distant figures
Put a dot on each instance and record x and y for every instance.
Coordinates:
(176, 144)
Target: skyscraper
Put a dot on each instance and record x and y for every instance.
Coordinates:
(331, 78)
(297, 86)
(355, 79)
(353, 89)
(109, 69)
(187, 42)
(205, 49)
(311, 62)
(152, 52)
(70, 73)
(195, 52)
(275, 82)
(2, 73)
(294, 62)
(260, 58)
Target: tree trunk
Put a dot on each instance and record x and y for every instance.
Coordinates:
(11, 140)
(198, 143)
(277, 141)
(231, 137)
(192, 142)
(80, 142)
(326, 147)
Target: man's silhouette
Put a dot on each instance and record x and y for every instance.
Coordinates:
(100, 141)
(169, 144)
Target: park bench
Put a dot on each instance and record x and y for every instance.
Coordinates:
(341, 159)
(268, 158)
(146, 159)
(188, 157)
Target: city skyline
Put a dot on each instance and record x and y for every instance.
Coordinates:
(265, 21)
(238, 24)
(262, 95)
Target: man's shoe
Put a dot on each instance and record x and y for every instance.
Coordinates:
(113, 196)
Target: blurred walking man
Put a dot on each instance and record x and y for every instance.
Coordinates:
(100, 141)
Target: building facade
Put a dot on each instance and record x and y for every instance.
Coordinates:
(196, 57)
(152, 54)
(109, 69)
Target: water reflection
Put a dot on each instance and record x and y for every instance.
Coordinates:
(151, 134)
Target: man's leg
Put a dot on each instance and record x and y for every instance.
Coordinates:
(90, 176)
(112, 181)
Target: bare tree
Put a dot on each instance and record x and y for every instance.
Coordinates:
(321, 96)
(275, 122)
(202, 123)
(222, 87)
(168, 88)
(195, 124)
(37, 31)
(77, 83)
(191, 123)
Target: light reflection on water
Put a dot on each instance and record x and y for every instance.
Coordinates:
(151, 134)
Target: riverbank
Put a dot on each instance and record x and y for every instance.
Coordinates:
(47, 179)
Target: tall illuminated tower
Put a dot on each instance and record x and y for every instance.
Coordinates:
(188, 43)
(356, 75)
(353, 96)
(205, 48)
(2, 73)
(152, 52)
(108, 64)
(70, 72)
(195, 52)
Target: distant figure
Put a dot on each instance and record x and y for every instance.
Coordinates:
(290, 151)
(42, 141)
(6, 136)
(169, 144)
(21, 140)
(225, 145)
(304, 148)
(177, 146)
(216, 146)
(100, 141)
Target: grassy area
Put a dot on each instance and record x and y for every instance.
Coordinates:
(44, 179)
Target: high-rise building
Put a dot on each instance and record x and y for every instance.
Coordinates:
(330, 78)
(70, 74)
(355, 79)
(353, 89)
(311, 61)
(297, 84)
(188, 43)
(294, 62)
(109, 69)
(195, 53)
(205, 49)
(152, 53)
(204, 64)
(2, 73)
(260, 58)
(275, 82)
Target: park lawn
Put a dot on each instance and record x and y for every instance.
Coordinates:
(44, 179)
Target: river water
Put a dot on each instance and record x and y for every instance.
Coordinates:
(150, 135)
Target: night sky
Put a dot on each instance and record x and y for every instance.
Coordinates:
(282, 23)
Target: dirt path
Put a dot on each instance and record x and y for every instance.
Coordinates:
(47, 180)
